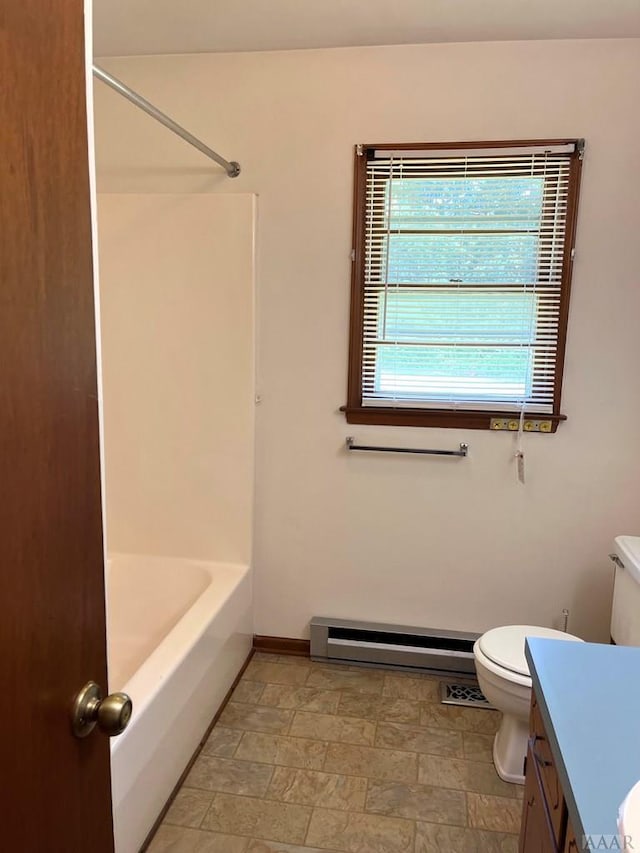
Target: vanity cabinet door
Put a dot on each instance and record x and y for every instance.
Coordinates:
(536, 834)
(544, 764)
(571, 844)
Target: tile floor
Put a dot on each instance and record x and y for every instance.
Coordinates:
(308, 758)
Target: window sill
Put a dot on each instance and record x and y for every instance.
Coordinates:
(447, 418)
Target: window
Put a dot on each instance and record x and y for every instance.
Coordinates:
(460, 291)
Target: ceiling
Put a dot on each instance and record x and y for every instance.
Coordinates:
(131, 27)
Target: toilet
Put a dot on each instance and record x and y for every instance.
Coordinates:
(503, 672)
(503, 675)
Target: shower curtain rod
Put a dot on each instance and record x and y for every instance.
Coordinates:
(231, 167)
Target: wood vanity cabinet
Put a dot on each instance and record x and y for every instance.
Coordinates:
(571, 844)
(535, 833)
(544, 816)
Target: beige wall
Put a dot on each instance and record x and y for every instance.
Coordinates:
(456, 544)
(176, 293)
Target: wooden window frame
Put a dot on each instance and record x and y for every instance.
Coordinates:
(391, 415)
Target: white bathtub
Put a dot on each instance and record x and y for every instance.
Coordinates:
(178, 633)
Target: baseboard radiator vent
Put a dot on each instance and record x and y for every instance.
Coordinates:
(396, 646)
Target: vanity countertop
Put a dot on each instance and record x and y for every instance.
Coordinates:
(589, 698)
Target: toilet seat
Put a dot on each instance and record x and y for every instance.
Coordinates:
(504, 647)
(499, 671)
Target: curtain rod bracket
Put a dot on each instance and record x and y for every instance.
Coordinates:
(232, 168)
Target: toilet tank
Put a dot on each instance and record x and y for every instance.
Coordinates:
(625, 612)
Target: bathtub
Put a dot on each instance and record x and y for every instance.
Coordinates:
(178, 633)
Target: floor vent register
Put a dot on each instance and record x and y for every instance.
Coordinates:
(463, 694)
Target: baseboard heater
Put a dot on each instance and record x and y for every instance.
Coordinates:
(397, 646)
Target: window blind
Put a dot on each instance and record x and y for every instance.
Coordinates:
(464, 254)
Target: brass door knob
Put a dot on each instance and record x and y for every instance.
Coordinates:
(111, 714)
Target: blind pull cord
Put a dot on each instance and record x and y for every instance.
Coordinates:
(519, 454)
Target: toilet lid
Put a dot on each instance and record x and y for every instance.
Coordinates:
(505, 645)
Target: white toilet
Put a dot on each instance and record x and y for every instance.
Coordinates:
(503, 672)
(503, 675)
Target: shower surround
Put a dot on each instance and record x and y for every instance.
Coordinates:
(177, 328)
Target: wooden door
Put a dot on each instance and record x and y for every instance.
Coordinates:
(55, 788)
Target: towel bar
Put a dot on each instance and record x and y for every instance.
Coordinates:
(351, 445)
